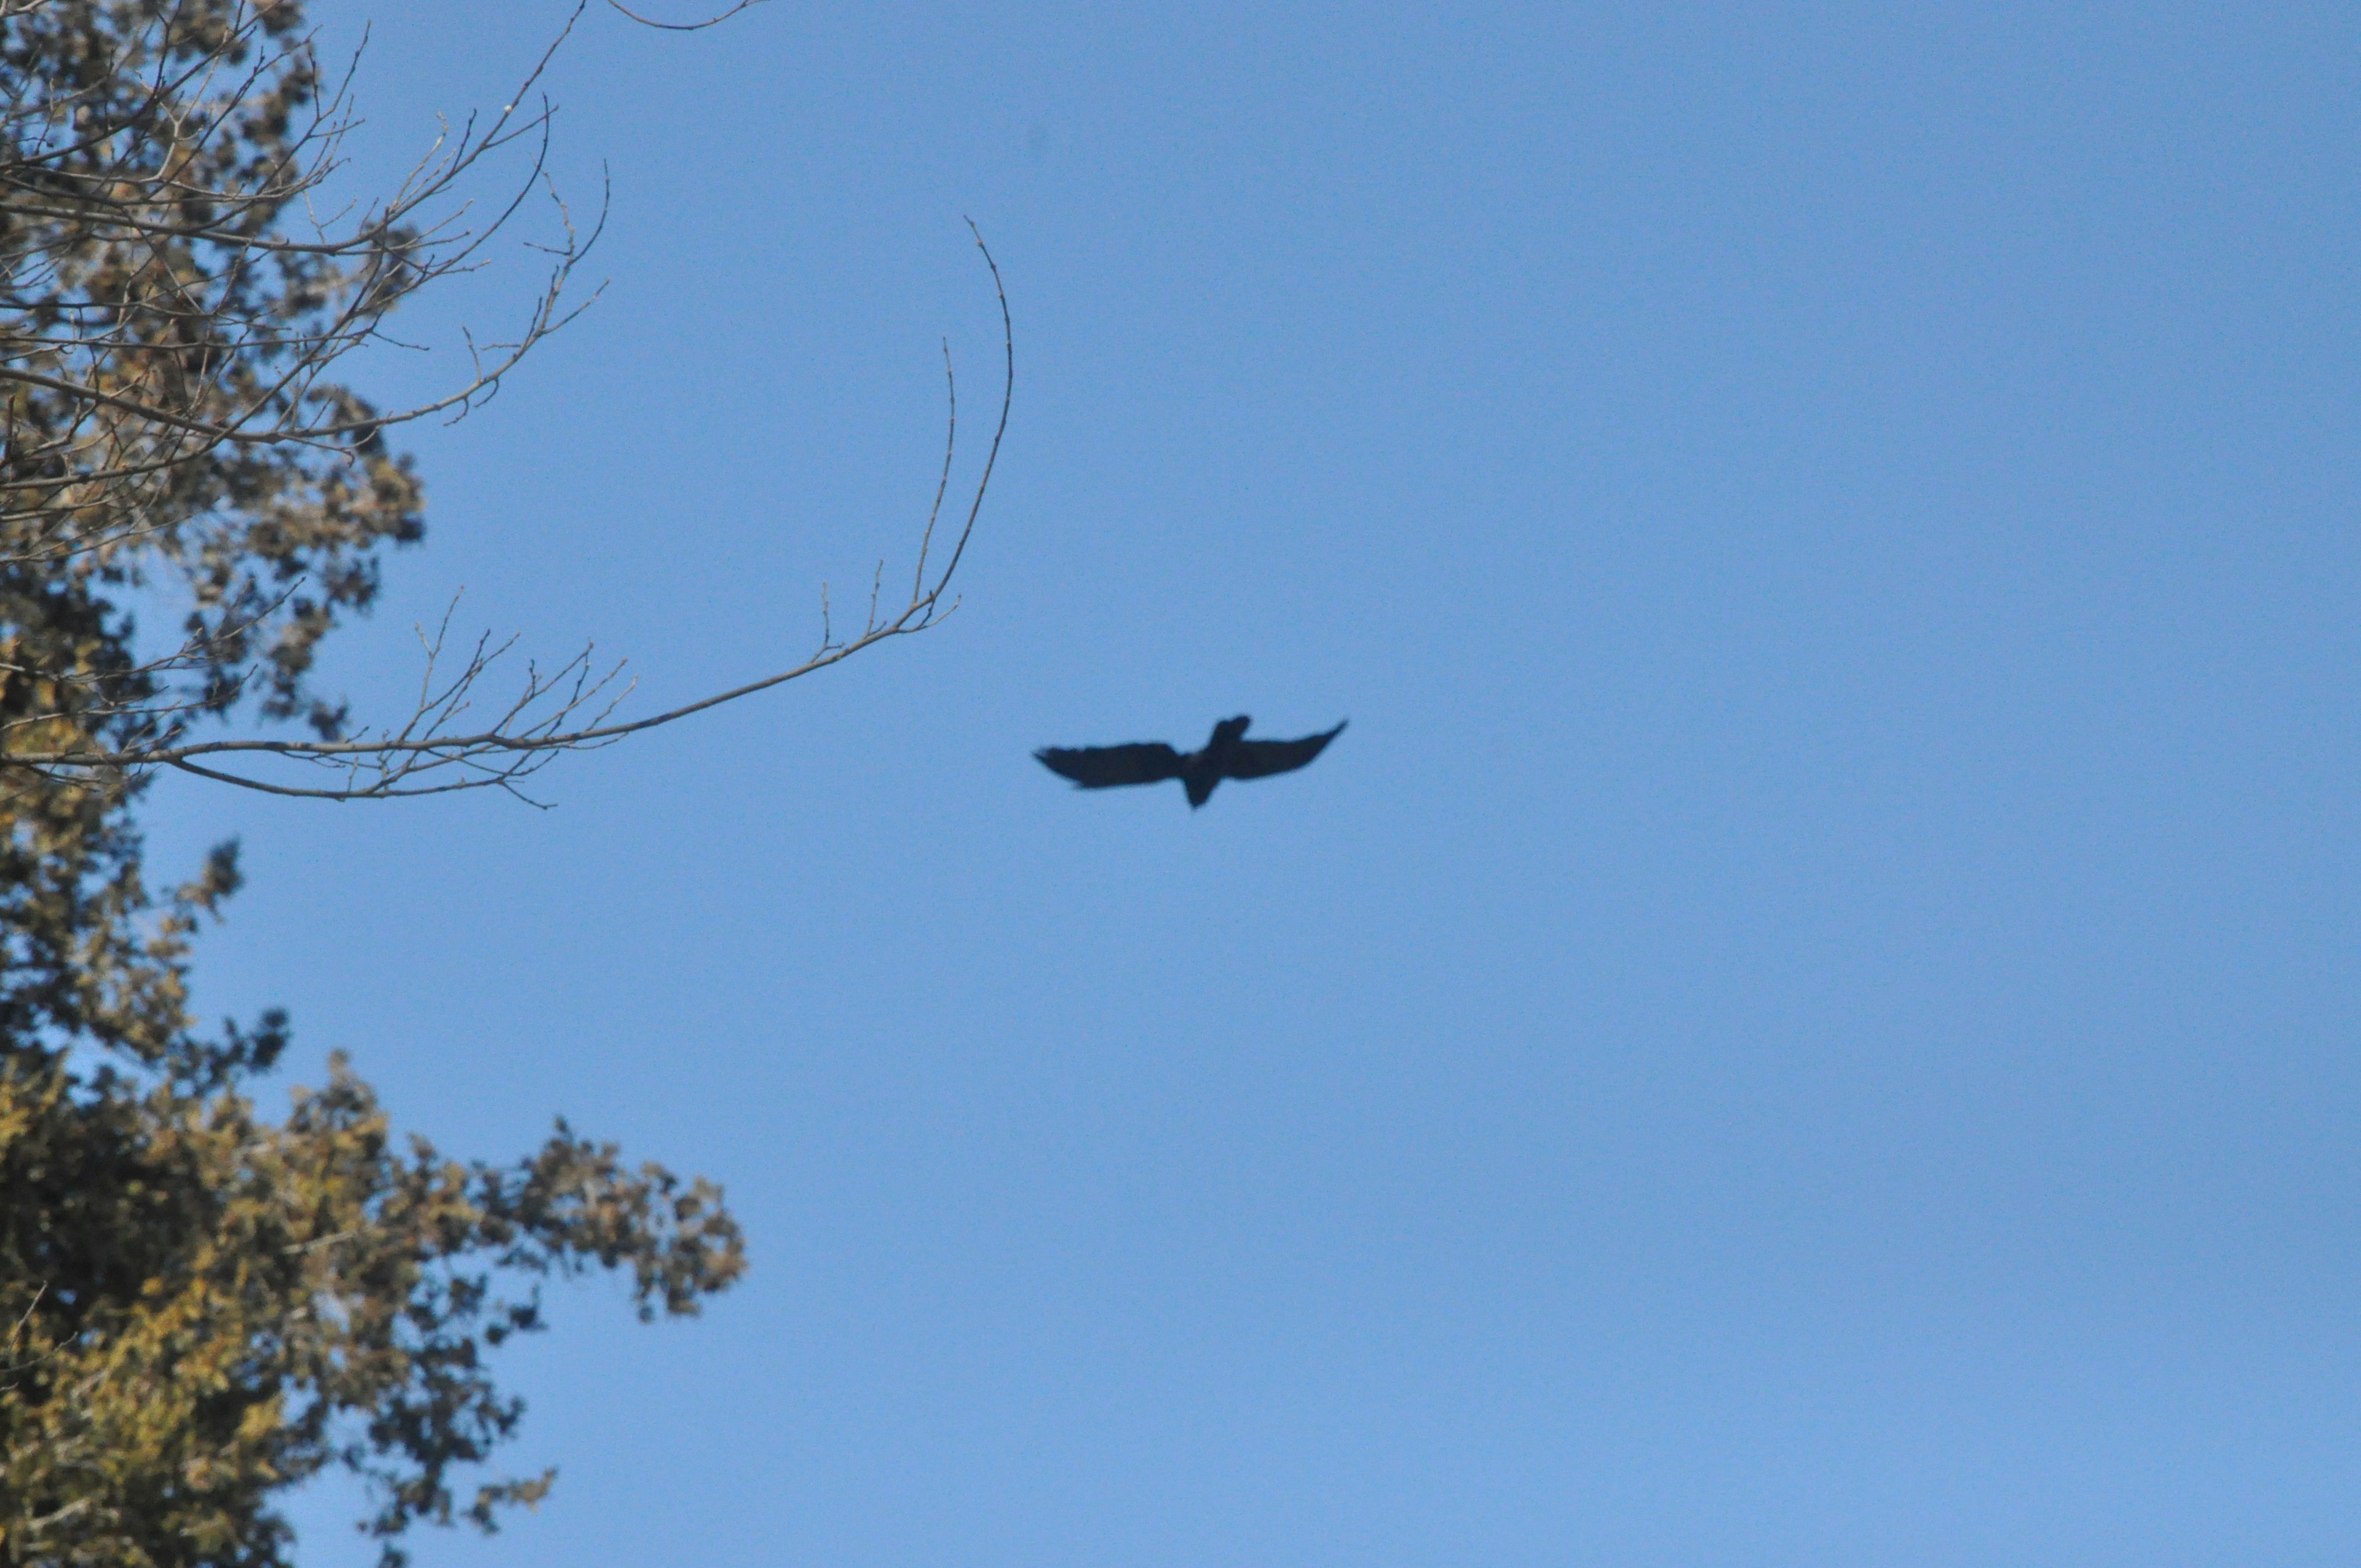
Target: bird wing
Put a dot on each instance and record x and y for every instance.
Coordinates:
(1259, 758)
(1099, 767)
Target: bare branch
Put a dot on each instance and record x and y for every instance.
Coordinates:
(429, 753)
(684, 27)
(172, 309)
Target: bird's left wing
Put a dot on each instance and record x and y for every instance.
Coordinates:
(1102, 767)
(1259, 759)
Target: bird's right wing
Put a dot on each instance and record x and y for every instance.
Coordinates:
(1099, 767)
(1261, 759)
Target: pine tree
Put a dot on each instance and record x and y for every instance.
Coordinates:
(201, 1308)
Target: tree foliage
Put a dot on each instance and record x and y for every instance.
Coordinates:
(200, 1307)
(168, 419)
(208, 1307)
(173, 312)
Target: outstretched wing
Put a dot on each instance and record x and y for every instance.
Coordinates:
(1099, 767)
(1259, 759)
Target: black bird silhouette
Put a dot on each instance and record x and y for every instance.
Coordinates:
(1228, 755)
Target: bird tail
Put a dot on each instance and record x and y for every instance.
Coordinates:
(1201, 790)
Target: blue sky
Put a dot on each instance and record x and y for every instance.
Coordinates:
(1810, 1018)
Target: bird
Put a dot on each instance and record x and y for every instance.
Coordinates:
(1227, 755)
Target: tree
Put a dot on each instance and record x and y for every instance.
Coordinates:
(199, 1307)
(171, 320)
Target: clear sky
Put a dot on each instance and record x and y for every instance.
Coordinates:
(1810, 1019)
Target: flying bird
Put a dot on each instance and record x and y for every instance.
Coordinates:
(1227, 755)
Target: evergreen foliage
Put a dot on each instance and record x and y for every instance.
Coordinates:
(199, 1307)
